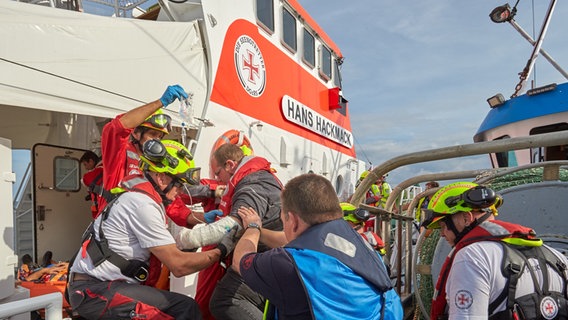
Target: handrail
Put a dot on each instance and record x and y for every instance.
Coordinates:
(52, 303)
(478, 148)
(385, 232)
(548, 165)
(541, 140)
(22, 187)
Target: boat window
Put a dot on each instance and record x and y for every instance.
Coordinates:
(21, 167)
(339, 184)
(309, 55)
(324, 165)
(265, 14)
(289, 30)
(337, 72)
(553, 152)
(325, 63)
(506, 158)
(67, 171)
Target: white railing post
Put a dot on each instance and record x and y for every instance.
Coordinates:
(52, 303)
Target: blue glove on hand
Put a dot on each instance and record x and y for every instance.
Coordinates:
(212, 215)
(171, 94)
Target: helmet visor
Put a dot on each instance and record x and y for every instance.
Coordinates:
(191, 176)
(161, 122)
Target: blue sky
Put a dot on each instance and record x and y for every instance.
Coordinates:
(417, 73)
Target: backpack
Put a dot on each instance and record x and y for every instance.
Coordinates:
(541, 304)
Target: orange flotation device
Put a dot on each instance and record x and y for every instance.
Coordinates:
(235, 137)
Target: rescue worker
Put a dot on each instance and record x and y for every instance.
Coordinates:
(475, 281)
(106, 274)
(121, 143)
(250, 183)
(92, 179)
(123, 137)
(324, 268)
(423, 203)
(357, 218)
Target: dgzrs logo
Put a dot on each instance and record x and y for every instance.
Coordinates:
(250, 66)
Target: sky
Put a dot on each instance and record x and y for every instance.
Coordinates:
(417, 73)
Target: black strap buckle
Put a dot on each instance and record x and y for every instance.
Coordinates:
(141, 274)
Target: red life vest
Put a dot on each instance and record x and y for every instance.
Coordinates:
(493, 230)
(253, 164)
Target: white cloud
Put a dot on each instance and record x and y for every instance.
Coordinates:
(417, 73)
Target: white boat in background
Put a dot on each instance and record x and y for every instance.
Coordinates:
(539, 110)
(260, 72)
(526, 138)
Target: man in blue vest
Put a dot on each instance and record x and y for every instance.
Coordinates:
(324, 268)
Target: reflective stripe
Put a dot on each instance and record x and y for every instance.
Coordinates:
(494, 229)
(130, 183)
(524, 242)
(132, 155)
(340, 244)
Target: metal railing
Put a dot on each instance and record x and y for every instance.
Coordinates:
(541, 140)
(51, 302)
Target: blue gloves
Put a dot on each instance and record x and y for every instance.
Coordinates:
(212, 215)
(171, 94)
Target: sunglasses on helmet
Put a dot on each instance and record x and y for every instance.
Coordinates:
(479, 197)
(160, 121)
(360, 214)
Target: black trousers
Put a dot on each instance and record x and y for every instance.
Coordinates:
(234, 300)
(93, 299)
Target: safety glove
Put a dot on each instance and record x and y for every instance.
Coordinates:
(171, 94)
(212, 215)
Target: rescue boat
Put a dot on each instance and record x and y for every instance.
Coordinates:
(262, 74)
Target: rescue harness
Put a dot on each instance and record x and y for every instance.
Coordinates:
(99, 250)
(542, 303)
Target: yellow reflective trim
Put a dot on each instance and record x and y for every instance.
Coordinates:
(265, 314)
(117, 190)
(524, 242)
(352, 218)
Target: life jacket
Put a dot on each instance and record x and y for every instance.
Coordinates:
(99, 251)
(134, 179)
(362, 272)
(375, 241)
(248, 166)
(541, 304)
(494, 230)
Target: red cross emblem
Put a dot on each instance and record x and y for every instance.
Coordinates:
(549, 307)
(463, 299)
(251, 66)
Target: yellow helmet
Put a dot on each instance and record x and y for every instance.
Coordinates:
(460, 197)
(170, 157)
(354, 214)
(158, 121)
(364, 175)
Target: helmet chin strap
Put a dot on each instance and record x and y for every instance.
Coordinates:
(142, 130)
(161, 192)
(467, 229)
